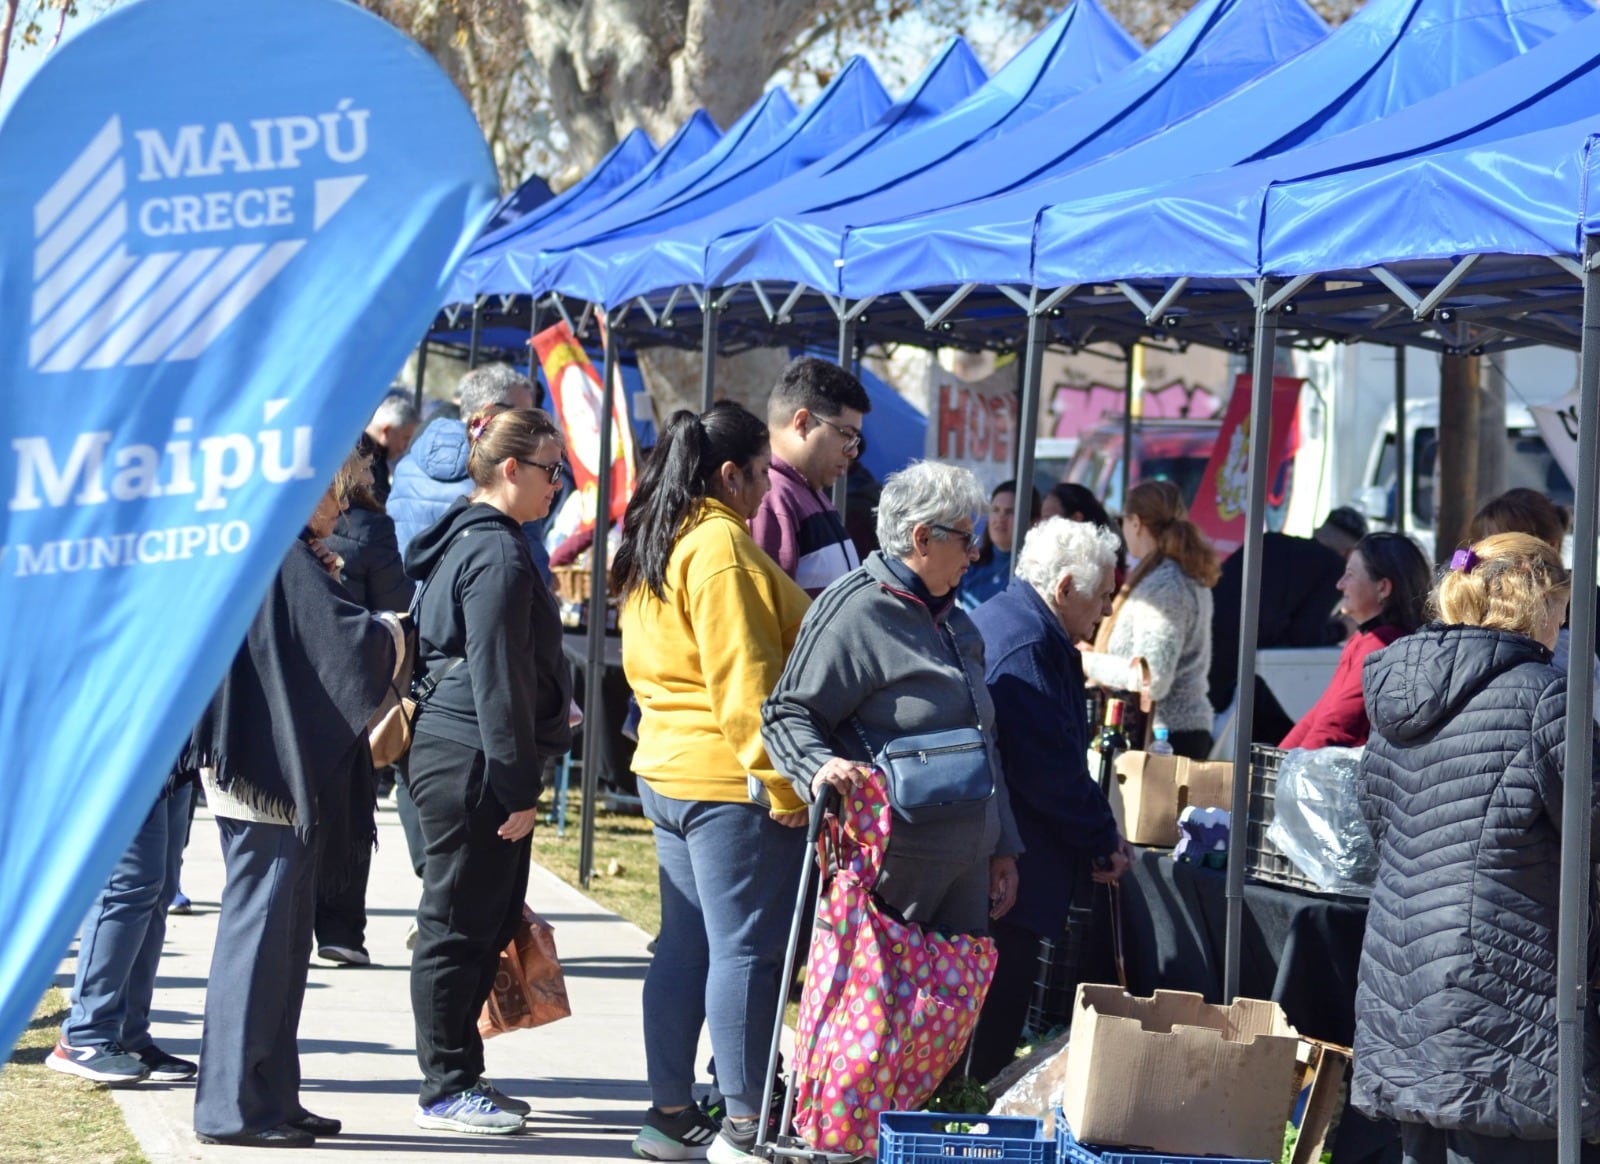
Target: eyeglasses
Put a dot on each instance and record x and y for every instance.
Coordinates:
(852, 436)
(969, 537)
(555, 469)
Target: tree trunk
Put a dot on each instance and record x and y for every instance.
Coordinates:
(672, 376)
(612, 65)
(1457, 467)
(1493, 468)
(8, 21)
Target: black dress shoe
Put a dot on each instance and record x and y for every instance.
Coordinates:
(316, 1125)
(282, 1136)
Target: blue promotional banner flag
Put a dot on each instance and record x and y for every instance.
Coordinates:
(227, 224)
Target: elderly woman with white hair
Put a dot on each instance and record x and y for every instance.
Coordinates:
(883, 654)
(1065, 578)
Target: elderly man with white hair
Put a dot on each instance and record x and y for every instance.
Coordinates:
(885, 653)
(1065, 579)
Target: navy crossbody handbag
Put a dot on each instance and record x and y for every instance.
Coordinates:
(936, 775)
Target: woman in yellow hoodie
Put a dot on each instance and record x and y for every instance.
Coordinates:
(708, 620)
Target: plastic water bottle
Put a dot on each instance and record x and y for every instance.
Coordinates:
(1161, 744)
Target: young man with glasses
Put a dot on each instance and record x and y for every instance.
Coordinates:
(814, 416)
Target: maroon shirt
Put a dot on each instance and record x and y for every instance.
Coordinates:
(1339, 718)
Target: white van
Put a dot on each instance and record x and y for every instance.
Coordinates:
(1529, 464)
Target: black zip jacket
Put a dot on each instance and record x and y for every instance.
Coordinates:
(483, 601)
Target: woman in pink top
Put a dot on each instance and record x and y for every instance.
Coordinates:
(1385, 587)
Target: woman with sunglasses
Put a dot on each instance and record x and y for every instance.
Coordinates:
(707, 621)
(495, 709)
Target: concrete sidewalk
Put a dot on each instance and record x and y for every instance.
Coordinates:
(583, 1075)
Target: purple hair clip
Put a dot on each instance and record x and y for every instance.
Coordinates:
(1463, 560)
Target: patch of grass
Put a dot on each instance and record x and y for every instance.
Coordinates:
(624, 878)
(47, 1118)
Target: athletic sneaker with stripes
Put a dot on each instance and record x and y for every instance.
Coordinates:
(683, 1135)
(108, 1064)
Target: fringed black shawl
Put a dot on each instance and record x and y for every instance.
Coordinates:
(287, 730)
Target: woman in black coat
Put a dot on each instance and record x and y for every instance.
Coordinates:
(374, 576)
(282, 753)
(1462, 786)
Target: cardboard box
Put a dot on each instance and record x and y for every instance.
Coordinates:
(1321, 1070)
(1176, 1074)
(1152, 790)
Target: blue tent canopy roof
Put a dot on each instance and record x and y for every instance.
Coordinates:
(525, 199)
(1209, 226)
(852, 101)
(762, 124)
(675, 257)
(1215, 48)
(694, 138)
(1391, 54)
(1523, 196)
(1079, 49)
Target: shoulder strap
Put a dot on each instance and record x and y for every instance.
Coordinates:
(425, 687)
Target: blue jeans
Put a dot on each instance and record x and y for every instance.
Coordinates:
(119, 946)
(729, 875)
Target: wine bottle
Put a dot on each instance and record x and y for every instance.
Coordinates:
(1110, 743)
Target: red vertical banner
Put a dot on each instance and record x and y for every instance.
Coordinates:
(1219, 505)
(575, 388)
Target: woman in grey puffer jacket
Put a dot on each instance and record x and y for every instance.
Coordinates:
(1462, 784)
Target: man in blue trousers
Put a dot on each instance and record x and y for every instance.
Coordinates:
(106, 1037)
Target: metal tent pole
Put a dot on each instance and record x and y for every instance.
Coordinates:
(1402, 487)
(708, 351)
(593, 689)
(1249, 620)
(533, 353)
(1028, 429)
(477, 327)
(847, 361)
(422, 371)
(1127, 424)
(1577, 789)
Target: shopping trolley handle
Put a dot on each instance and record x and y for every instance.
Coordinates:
(826, 801)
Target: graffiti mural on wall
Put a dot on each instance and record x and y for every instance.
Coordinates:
(1076, 407)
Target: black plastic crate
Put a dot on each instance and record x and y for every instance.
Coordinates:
(1263, 860)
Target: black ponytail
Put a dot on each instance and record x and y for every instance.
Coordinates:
(674, 483)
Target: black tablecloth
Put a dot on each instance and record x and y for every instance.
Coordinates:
(1298, 949)
(615, 762)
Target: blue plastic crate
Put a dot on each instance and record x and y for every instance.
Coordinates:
(1069, 1151)
(918, 1137)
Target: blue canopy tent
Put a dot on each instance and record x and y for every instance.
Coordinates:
(1180, 234)
(525, 199)
(1216, 47)
(1391, 54)
(1078, 49)
(852, 102)
(693, 139)
(675, 256)
(1429, 221)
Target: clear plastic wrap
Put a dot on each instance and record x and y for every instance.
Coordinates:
(1317, 821)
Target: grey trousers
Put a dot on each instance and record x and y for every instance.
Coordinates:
(249, 1055)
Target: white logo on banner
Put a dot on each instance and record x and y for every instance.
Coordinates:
(96, 305)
